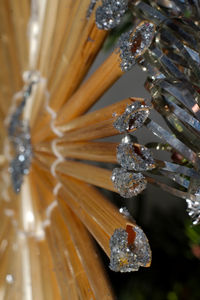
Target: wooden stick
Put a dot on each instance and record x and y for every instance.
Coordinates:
(37, 169)
(42, 61)
(90, 91)
(48, 276)
(80, 52)
(47, 37)
(88, 173)
(6, 263)
(35, 269)
(10, 46)
(29, 216)
(20, 14)
(81, 61)
(91, 263)
(83, 245)
(62, 270)
(80, 238)
(66, 14)
(7, 80)
(95, 151)
(98, 119)
(99, 216)
(72, 255)
(71, 40)
(43, 197)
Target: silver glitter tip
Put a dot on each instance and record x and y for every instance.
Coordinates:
(134, 117)
(110, 13)
(194, 210)
(129, 249)
(128, 184)
(91, 8)
(135, 157)
(133, 44)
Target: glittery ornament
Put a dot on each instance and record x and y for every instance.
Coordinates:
(19, 135)
(110, 13)
(133, 117)
(129, 251)
(133, 44)
(128, 184)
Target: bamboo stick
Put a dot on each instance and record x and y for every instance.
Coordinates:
(94, 151)
(72, 256)
(20, 14)
(35, 269)
(83, 246)
(109, 112)
(44, 47)
(4, 230)
(98, 118)
(66, 13)
(90, 174)
(52, 224)
(91, 262)
(96, 131)
(82, 58)
(47, 36)
(48, 277)
(99, 216)
(81, 53)
(5, 264)
(63, 93)
(37, 169)
(12, 58)
(6, 78)
(43, 197)
(75, 31)
(25, 267)
(29, 214)
(14, 287)
(63, 273)
(91, 90)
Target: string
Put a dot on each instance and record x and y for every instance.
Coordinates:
(58, 160)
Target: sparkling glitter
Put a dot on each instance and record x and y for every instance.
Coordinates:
(133, 44)
(193, 208)
(135, 157)
(19, 135)
(110, 13)
(133, 117)
(129, 257)
(124, 211)
(9, 278)
(91, 8)
(20, 165)
(128, 184)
